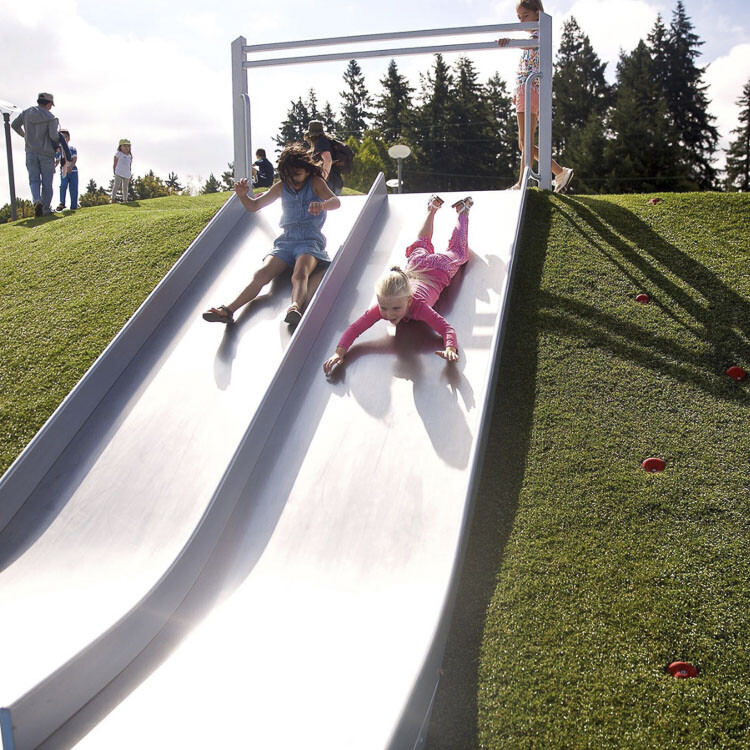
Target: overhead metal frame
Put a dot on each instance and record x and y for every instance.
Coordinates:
(240, 65)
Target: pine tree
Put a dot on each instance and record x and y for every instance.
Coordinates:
(173, 183)
(212, 185)
(294, 127)
(579, 89)
(370, 157)
(149, 186)
(330, 124)
(312, 106)
(504, 142)
(393, 107)
(587, 149)
(675, 51)
(738, 154)
(431, 129)
(355, 111)
(642, 156)
(227, 178)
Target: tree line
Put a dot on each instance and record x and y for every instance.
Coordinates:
(649, 131)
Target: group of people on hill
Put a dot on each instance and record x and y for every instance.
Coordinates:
(48, 147)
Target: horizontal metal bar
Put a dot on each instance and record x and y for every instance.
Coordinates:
(270, 62)
(392, 35)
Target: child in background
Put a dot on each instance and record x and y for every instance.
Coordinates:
(262, 170)
(68, 173)
(528, 12)
(122, 168)
(410, 294)
(305, 198)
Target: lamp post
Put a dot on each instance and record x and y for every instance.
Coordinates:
(399, 152)
(7, 109)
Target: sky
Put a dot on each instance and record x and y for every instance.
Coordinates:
(158, 72)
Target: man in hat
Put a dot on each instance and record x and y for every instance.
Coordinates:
(39, 128)
(322, 147)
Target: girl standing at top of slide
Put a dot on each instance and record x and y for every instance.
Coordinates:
(411, 293)
(122, 169)
(305, 198)
(528, 12)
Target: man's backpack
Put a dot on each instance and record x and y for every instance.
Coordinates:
(342, 156)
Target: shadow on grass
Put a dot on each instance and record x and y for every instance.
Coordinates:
(722, 322)
(454, 717)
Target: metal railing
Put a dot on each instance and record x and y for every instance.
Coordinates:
(240, 65)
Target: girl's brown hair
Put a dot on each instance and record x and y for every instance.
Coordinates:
(532, 5)
(294, 157)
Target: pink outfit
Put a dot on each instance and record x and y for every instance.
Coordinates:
(431, 272)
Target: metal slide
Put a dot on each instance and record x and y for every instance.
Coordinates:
(110, 514)
(320, 618)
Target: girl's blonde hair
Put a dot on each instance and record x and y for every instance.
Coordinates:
(532, 5)
(394, 283)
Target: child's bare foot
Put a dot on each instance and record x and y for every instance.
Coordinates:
(434, 203)
(463, 205)
(220, 314)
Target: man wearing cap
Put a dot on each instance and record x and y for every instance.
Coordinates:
(39, 128)
(321, 146)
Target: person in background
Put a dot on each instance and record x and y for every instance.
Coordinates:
(122, 167)
(39, 128)
(68, 174)
(321, 146)
(262, 170)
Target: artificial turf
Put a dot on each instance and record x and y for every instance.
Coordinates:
(585, 575)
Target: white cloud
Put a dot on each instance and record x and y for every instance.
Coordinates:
(726, 77)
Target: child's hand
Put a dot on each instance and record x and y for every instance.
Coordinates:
(242, 188)
(449, 353)
(334, 361)
(503, 42)
(316, 207)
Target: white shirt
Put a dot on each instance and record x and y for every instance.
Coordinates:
(122, 167)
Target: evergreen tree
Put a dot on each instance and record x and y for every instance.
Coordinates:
(173, 183)
(227, 178)
(431, 129)
(370, 157)
(393, 107)
(212, 185)
(91, 187)
(579, 89)
(674, 52)
(738, 154)
(94, 196)
(330, 124)
(294, 127)
(149, 186)
(355, 111)
(642, 156)
(312, 106)
(587, 147)
(504, 153)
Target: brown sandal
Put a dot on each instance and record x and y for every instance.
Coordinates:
(215, 316)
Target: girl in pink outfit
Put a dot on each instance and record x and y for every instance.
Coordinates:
(410, 294)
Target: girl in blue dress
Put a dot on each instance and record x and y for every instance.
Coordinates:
(305, 198)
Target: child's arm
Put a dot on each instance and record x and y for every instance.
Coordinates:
(242, 188)
(421, 311)
(357, 328)
(328, 201)
(114, 164)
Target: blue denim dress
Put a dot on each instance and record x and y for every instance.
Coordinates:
(302, 233)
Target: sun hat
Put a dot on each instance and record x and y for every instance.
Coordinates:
(47, 97)
(124, 142)
(315, 127)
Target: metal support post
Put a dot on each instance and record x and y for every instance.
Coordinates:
(13, 210)
(545, 101)
(240, 111)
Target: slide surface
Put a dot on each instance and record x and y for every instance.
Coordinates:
(111, 515)
(319, 620)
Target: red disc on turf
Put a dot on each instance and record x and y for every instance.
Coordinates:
(654, 464)
(654, 201)
(644, 299)
(737, 373)
(682, 670)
